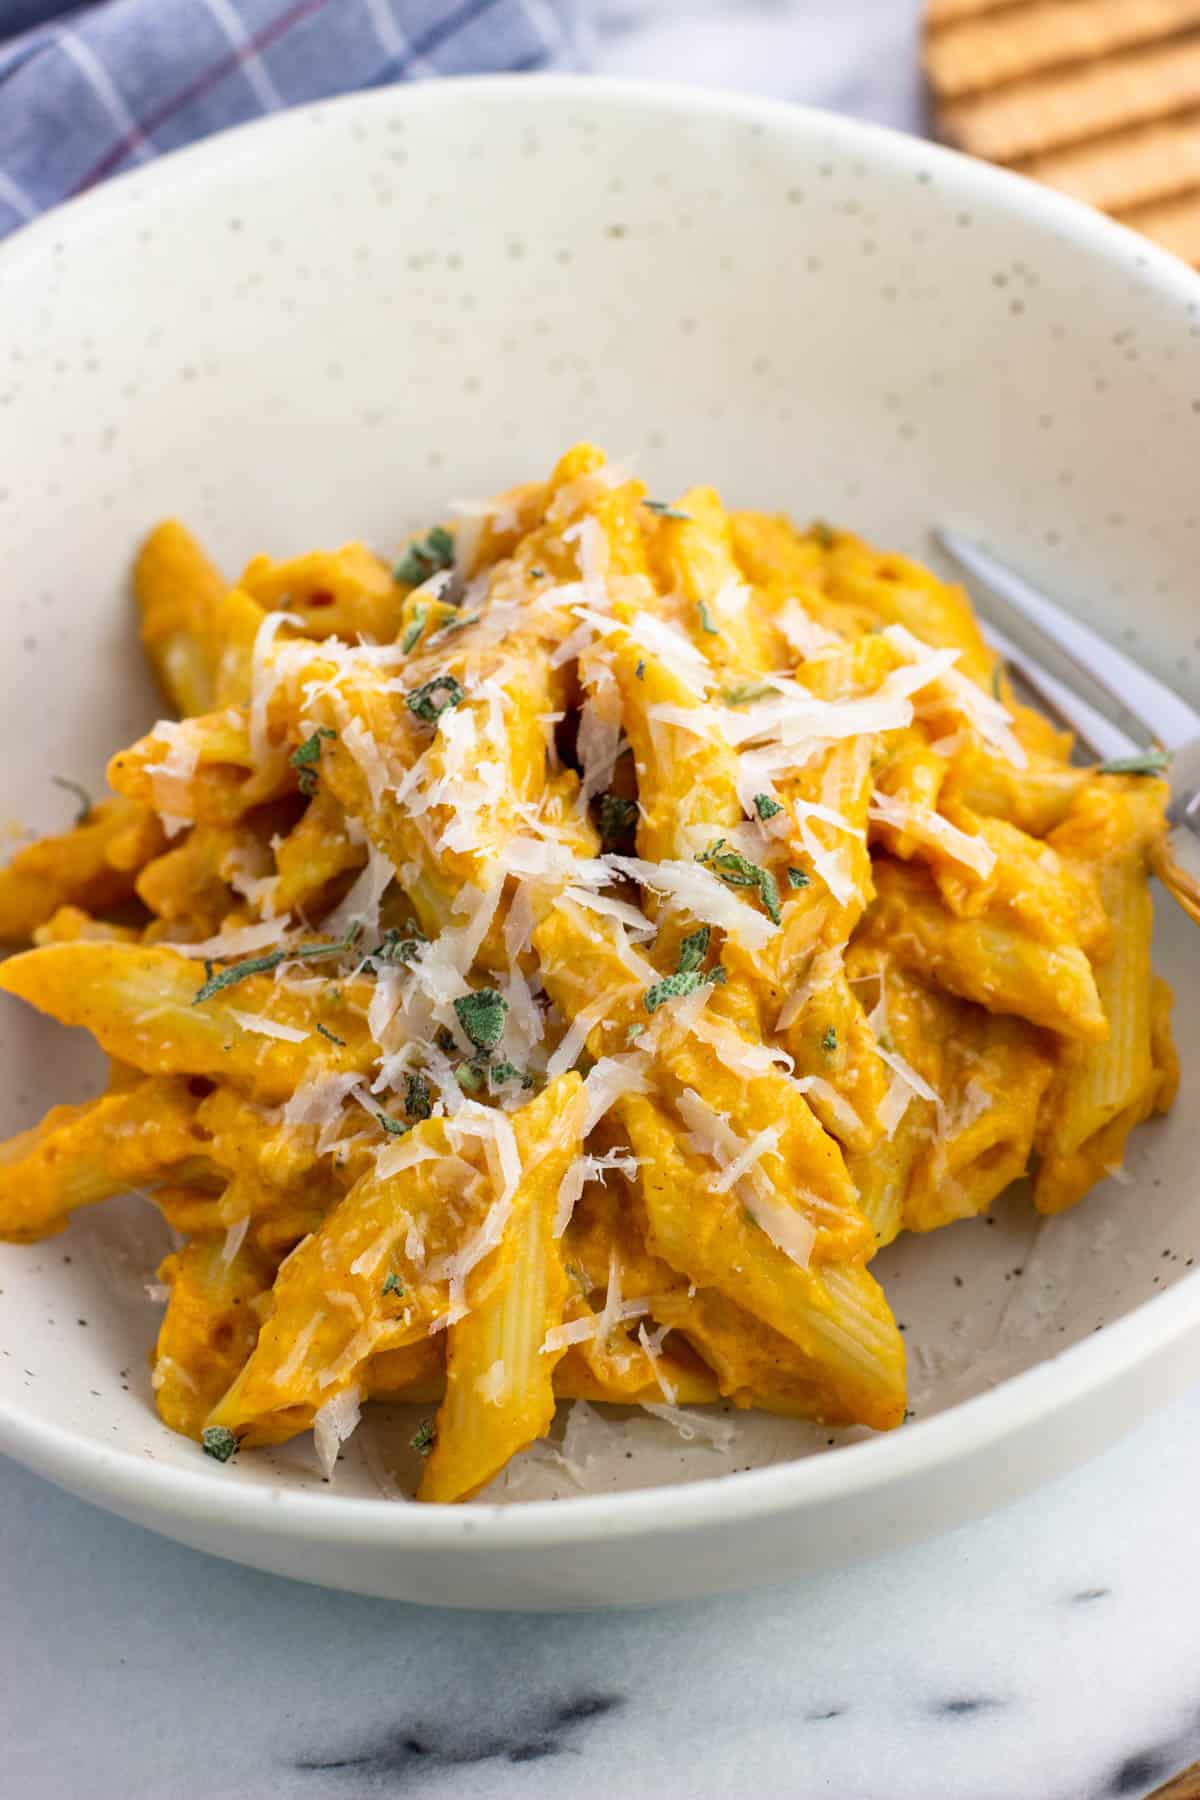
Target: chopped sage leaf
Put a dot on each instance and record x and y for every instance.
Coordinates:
(422, 1439)
(674, 987)
(393, 1126)
(332, 1036)
(765, 807)
(425, 556)
(692, 951)
(706, 624)
(797, 878)
(634, 1031)
(417, 1101)
(481, 1016)
(829, 1040)
(823, 533)
(450, 623)
(394, 946)
(640, 671)
(306, 756)
(218, 1441)
(665, 510)
(393, 1285)
(537, 574)
(1150, 762)
(738, 871)
(263, 965)
(747, 692)
(412, 636)
(443, 1037)
(433, 698)
(502, 1074)
(618, 819)
(471, 1076)
(81, 794)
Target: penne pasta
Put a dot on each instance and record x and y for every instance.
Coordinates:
(552, 966)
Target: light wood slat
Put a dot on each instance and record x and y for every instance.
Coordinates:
(1050, 114)
(980, 54)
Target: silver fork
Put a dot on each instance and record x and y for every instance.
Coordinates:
(1168, 721)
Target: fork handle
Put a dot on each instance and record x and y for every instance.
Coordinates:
(1176, 862)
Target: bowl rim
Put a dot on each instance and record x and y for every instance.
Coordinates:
(121, 1478)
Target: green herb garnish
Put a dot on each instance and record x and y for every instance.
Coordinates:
(262, 965)
(738, 871)
(417, 1101)
(422, 1439)
(689, 975)
(81, 794)
(306, 756)
(765, 807)
(332, 1036)
(471, 1076)
(706, 624)
(393, 1126)
(618, 818)
(797, 878)
(664, 510)
(219, 1442)
(481, 1016)
(412, 636)
(1149, 762)
(394, 947)
(692, 951)
(634, 1031)
(425, 556)
(536, 574)
(433, 698)
(455, 623)
(640, 671)
(443, 1037)
(749, 691)
(829, 1040)
(823, 533)
(674, 987)
(393, 1285)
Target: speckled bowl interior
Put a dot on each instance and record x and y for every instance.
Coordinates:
(326, 327)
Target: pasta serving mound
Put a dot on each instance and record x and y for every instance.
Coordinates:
(552, 969)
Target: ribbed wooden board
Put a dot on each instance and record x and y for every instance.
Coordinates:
(1099, 98)
(1184, 1786)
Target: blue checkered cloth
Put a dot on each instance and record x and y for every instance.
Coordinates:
(86, 91)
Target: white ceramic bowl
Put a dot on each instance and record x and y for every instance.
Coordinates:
(325, 326)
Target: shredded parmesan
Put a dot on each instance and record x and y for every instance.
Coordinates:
(270, 1028)
(333, 1423)
(242, 940)
(693, 888)
(929, 827)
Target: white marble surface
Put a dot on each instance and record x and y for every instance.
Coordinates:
(1051, 1652)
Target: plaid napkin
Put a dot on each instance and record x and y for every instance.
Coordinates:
(86, 91)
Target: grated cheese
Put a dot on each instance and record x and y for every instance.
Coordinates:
(720, 1433)
(929, 827)
(670, 1392)
(264, 679)
(693, 888)
(990, 718)
(270, 1028)
(241, 940)
(333, 1423)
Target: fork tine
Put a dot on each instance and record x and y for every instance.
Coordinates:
(1099, 734)
(1168, 718)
